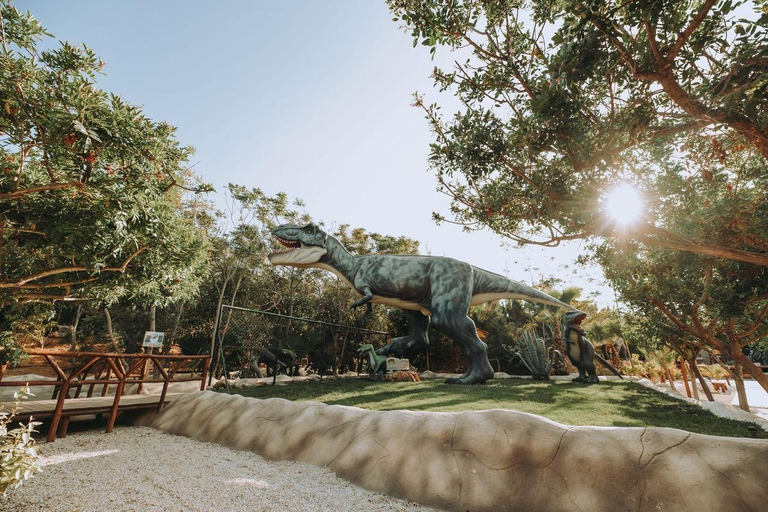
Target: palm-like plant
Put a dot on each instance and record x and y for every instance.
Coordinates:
(715, 372)
(666, 359)
(533, 351)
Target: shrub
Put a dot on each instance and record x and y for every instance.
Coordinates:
(649, 369)
(11, 351)
(18, 458)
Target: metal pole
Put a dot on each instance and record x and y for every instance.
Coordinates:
(217, 340)
(223, 362)
(275, 369)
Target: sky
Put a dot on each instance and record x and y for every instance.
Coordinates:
(308, 98)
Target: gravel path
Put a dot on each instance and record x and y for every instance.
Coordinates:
(141, 469)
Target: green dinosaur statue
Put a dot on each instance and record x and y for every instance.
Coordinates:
(580, 351)
(429, 288)
(377, 363)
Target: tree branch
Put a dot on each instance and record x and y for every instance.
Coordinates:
(681, 243)
(756, 325)
(40, 275)
(41, 188)
(690, 29)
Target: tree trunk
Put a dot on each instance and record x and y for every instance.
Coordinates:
(752, 369)
(739, 378)
(559, 366)
(704, 386)
(75, 346)
(148, 350)
(153, 318)
(615, 359)
(685, 377)
(341, 353)
(110, 333)
(115, 347)
(724, 367)
(223, 332)
(172, 337)
(694, 387)
(670, 379)
(217, 316)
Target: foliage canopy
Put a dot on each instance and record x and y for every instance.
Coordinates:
(563, 100)
(90, 188)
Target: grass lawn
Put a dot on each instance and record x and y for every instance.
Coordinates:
(615, 404)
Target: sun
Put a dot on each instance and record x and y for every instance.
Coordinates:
(624, 204)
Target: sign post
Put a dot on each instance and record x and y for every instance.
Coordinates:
(152, 340)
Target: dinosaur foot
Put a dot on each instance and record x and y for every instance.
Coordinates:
(470, 378)
(400, 347)
(592, 379)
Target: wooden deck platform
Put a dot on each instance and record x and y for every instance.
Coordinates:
(42, 409)
(114, 374)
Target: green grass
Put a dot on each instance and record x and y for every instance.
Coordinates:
(615, 404)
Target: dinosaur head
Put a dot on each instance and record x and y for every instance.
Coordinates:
(575, 317)
(306, 245)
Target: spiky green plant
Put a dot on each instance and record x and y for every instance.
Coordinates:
(534, 353)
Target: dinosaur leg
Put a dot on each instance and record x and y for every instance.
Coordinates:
(588, 362)
(582, 374)
(451, 297)
(461, 329)
(416, 339)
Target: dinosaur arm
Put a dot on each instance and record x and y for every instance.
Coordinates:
(367, 296)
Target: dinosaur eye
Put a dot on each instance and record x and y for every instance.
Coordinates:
(308, 230)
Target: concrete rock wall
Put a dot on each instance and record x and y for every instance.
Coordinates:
(487, 460)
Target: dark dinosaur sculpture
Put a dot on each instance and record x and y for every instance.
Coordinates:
(377, 364)
(580, 351)
(428, 288)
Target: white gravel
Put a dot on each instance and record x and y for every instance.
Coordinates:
(141, 469)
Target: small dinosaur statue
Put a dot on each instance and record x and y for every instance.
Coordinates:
(377, 363)
(580, 351)
(429, 288)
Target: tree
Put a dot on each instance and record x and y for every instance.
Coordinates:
(90, 188)
(564, 100)
(693, 302)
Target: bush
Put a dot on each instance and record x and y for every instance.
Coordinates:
(18, 458)
(11, 351)
(635, 367)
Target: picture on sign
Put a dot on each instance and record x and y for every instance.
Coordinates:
(153, 339)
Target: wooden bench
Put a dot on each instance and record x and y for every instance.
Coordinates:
(120, 372)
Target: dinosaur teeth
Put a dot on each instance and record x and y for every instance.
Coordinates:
(290, 244)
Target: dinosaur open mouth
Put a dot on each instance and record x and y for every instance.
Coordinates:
(296, 253)
(577, 320)
(290, 244)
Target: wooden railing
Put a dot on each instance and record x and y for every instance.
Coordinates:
(93, 369)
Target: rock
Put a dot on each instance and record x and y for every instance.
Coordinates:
(486, 460)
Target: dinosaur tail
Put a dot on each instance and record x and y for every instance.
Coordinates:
(489, 286)
(608, 366)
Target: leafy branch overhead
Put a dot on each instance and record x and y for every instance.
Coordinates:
(90, 189)
(564, 100)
